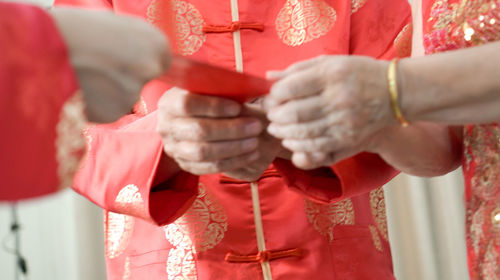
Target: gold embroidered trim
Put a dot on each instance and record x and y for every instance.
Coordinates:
(70, 143)
(377, 205)
(324, 217)
(189, 36)
(301, 21)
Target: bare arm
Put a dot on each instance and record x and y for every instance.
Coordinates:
(457, 87)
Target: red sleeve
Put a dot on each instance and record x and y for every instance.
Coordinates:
(41, 115)
(119, 172)
(380, 29)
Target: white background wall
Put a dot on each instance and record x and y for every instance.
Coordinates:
(62, 235)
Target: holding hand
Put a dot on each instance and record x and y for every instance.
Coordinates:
(205, 134)
(113, 57)
(329, 108)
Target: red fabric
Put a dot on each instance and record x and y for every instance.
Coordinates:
(35, 81)
(338, 241)
(472, 23)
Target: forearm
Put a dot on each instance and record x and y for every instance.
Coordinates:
(429, 149)
(457, 87)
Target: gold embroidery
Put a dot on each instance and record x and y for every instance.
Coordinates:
(181, 265)
(377, 205)
(464, 24)
(356, 5)
(476, 221)
(129, 200)
(188, 24)
(70, 143)
(201, 228)
(375, 238)
(490, 268)
(301, 21)
(118, 232)
(126, 269)
(402, 43)
(481, 144)
(324, 217)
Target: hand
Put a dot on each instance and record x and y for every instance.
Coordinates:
(329, 108)
(205, 134)
(269, 148)
(113, 57)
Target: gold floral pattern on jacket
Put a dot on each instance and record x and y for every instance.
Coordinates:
(375, 238)
(377, 205)
(301, 21)
(181, 264)
(70, 142)
(201, 228)
(118, 229)
(189, 36)
(129, 201)
(357, 4)
(324, 217)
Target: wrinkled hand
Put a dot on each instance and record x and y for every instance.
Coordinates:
(205, 134)
(113, 57)
(329, 108)
(269, 148)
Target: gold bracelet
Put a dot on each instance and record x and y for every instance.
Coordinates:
(392, 83)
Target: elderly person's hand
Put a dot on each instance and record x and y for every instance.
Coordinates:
(329, 108)
(206, 134)
(113, 57)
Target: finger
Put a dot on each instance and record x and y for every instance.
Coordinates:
(209, 151)
(299, 66)
(320, 144)
(299, 110)
(198, 130)
(178, 102)
(298, 131)
(308, 161)
(201, 168)
(296, 85)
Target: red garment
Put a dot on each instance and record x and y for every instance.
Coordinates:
(450, 25)
(214, 227)
(37, 105)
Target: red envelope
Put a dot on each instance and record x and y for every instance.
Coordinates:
(203, 78)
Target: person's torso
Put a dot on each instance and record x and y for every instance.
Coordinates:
(230, 222)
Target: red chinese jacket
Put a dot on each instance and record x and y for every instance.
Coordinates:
(456, 24)
(290, 224)
(41, 116)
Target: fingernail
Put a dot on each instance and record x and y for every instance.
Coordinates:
(232, 110)
(254, 128)
(250, 144)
